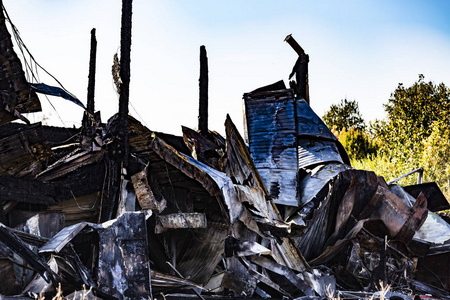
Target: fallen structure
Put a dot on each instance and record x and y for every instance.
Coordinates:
(279, 214)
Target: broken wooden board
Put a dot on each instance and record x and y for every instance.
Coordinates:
(144, 193)
(180, 221)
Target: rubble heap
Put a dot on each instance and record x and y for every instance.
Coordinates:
(279, 214)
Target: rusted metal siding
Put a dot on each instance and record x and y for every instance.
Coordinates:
(271, 129)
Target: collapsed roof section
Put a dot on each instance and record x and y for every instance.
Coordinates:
(204, 216)
(16, 95)
(198, 218)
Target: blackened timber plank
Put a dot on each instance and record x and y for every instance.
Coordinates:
(21, 149)
(28, 191)
(86, 180)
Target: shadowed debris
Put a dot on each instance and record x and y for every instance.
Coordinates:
(279, 213)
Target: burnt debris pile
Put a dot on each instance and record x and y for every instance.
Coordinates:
(279, 213)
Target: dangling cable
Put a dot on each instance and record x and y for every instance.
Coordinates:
(22, 44)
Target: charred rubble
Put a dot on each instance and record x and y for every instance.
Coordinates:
(279, 213)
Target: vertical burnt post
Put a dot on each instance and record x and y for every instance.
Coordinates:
(91, 78)
(119, 158)
(89, 113)
(203, 84)
(301, 87)
(125, 49)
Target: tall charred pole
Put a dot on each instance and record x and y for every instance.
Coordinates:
(91, 78)
(119, 160)
(87, 122)
(203, 85)
(125, 49)
(301, 87)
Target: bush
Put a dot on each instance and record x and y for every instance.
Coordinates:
(433, 155)
(356, 142)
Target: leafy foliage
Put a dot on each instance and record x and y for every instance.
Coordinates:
(416, 133)
(344, 115)
(413, 113)
(435, 158)
(356, 142)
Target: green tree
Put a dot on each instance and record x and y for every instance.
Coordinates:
(344, 115)
(356, 143)
(413, 112)
(416, 133)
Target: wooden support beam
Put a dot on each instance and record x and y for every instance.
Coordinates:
(92, 66)
(125, 49)
(88, 117)
(301, 86)
(203, 83)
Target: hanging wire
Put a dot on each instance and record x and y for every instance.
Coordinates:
(54, 108)
(132, 106)
(141, 119)
(21, 45)
(31, 65)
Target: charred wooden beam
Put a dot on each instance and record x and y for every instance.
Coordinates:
(111, 191)
(301, 87)
(88, 121)
(181, 162)
(92, 66)
(203, 83)
(8, 237)
(293, 43)
(125, 49)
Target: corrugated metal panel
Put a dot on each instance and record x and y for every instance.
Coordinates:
(312, 183)
(285, 134)
(281, 183)
(270, 119)
(309, 124)
(311, 152)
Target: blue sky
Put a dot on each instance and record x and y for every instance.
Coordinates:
(359, 50)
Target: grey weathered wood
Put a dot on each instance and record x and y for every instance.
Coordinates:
(181, 220)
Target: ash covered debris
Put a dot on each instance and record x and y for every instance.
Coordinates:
(281, 214)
